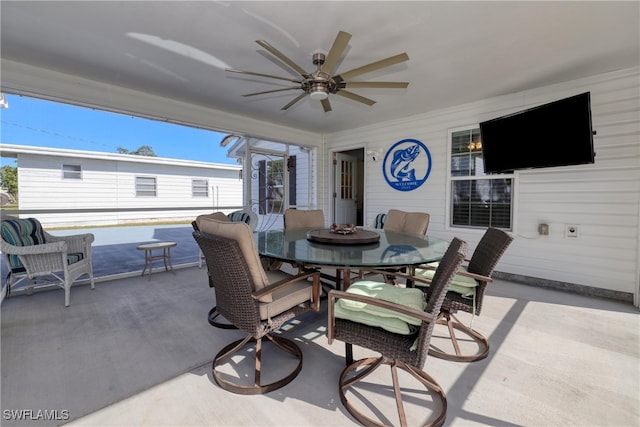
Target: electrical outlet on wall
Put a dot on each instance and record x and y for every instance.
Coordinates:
(571, 232)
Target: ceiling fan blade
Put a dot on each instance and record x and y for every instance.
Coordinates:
(296, 99)
(272, 91)
(355, 97)
(339, 45)
(251, 73)
(376, 85)
(392, 60)
(275, 52)
(326, 105)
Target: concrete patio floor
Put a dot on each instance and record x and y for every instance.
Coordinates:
(556, 359)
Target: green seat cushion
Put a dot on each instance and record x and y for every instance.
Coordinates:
(378, 316)
(463, 285)
(390, 324)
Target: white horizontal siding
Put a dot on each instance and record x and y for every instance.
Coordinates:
(302, 176)
(602, 199)
(111, 184)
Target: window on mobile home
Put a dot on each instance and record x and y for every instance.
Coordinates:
(146, 186)
(200, 188)
(71, 171)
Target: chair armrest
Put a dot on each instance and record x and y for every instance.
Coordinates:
(400, 274)
(460, 272)
(76, 242)
(427, 267)
(399, 308)
(45, 248)
(474, 276)
(293, 279)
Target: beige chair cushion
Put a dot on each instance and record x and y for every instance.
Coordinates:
(407, 222)
(284, 298)
(240, 232)
(216, 215)
(295, 218)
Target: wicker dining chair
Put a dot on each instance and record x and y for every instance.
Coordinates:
(466, 294)
(256, 301)
(299, 218)
(407, 222)
(246, 216)
(368, 316)
(404, 222)
(213, 316)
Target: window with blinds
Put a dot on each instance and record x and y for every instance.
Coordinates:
(146, 186)
(477, 200)
(200, 188)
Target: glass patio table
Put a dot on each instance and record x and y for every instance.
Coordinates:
(392, 250)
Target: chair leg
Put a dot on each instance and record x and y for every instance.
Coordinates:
(234, 348)
(348, 353)
(361, 369)
(67, 290)
(453, 324)
(213, 315)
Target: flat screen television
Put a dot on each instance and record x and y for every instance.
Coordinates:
(555, 134)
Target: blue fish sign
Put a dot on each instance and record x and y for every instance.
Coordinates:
(407, 165)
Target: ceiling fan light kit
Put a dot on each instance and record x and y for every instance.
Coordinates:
(322, 82)
(318, 95)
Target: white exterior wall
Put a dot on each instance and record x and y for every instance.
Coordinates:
(302, 175)
(110, 184)
(603, 199)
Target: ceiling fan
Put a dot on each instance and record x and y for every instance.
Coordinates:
(322, 82)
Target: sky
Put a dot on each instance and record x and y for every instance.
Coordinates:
(34, 122)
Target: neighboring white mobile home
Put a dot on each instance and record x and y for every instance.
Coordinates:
(73, 187)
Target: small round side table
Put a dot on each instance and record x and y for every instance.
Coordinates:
(149, 257)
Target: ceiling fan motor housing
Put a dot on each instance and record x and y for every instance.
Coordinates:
(319, 83)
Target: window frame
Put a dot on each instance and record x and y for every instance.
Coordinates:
(197, 189)
(155, 186)
(513, 176)
(71, 174)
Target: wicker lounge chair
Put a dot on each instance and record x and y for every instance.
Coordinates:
(400, 349)
(466, 294)
(254, 300)
(32, 254)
